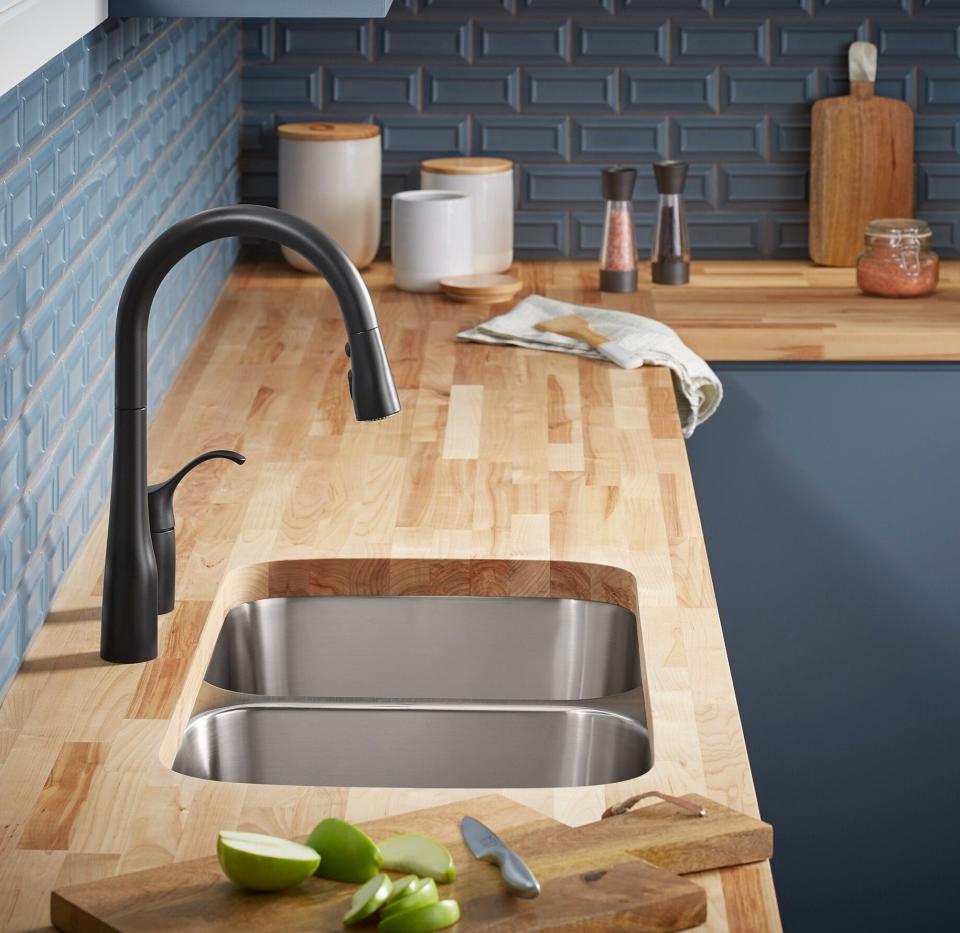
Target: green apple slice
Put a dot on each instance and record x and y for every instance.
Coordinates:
(418, 854)
(428, 919)
(368, 900)
(346, 853)
(264, 863)
(423, 895)
(401, 888)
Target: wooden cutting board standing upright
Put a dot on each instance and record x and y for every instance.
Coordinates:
(861, 163)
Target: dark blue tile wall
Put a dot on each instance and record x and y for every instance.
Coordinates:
(564, 87)
(130, 129)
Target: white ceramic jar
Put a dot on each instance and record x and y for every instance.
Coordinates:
(431, 237)
(489, 182)
(329, 174)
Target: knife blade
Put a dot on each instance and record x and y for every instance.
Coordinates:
(485, 844)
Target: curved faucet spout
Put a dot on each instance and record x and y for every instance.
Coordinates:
(129, 618)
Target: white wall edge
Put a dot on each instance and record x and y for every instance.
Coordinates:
(34, 31)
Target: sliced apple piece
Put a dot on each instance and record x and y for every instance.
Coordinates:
(418, 854)
(428, 919)
(402, 887)
(346, 853)
(264, 863)
(368, 900)
(423, 894)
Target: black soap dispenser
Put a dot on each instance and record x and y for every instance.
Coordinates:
(670, 257)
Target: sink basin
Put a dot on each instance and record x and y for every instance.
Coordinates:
(427, 647)
(421, 691)
(378, 745)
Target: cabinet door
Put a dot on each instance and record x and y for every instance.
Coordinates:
(830, 501)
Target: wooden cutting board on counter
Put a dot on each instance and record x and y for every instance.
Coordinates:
(604, 877)
(861, 163)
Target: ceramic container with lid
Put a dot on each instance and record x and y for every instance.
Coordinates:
(897, 261)
(489, 182)
(329, 174)
(431, 237)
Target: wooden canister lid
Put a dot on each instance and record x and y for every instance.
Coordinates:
(481, 289)
(328, 132)
(466, 165)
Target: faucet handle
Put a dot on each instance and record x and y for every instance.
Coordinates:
(162, 533)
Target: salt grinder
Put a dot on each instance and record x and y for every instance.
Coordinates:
(618, 253)
(670, 257)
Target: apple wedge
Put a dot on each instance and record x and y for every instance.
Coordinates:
(429, 919)
(423, 894)
(346, 853)
(420, 855)
(264, 863)
(368, 900)
(401, 888)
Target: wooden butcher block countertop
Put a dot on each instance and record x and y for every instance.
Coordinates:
(782, 311)
(505, 465)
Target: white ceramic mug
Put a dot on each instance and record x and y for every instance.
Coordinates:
(431, 237)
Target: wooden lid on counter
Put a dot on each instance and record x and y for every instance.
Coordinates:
(328, 132)
(466, 165)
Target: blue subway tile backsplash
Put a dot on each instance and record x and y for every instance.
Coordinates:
(130, 129)
(566, 86)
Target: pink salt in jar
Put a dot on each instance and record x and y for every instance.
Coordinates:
(897, 261)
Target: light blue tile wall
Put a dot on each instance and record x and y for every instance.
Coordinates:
(566, 86)
(132, 128)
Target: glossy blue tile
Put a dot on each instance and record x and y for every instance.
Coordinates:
(402, 40)
(767, 89)
(544, 139)
(43, 168)
(572, 6)
(939, 186)
(816, 42)
(32, 275)
(350, 88)
(726, 235)
(658, 7)
(476, 89)
(551, 185)
(617, 42)
(932, 42)
(541, 234)
(286, 86)
(522, 42)
(790, 139)
(258, 40)
(865, 7)
(937, 7)
(561, 90)
(424, 136)
(719, 137)
(671, 90)
(720, 41)
(20, 193)
(327, 39)
(763, 7)
(763, 186)
(10, 135)
(628, 139)
(31, 108)
(9, 305)
(937, 137)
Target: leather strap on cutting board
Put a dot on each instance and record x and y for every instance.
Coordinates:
(592, 880)
(861, 163)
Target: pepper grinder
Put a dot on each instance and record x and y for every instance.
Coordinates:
(618, 252)
(670, 258)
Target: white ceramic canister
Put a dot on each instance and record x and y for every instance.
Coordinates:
(431, 237)
(329, 174)
(490, 183)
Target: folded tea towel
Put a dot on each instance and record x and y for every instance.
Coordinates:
(698, 389)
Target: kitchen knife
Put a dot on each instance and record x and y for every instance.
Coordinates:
(486, 845)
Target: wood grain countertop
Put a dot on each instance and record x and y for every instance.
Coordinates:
(779, 311)
(506, 465)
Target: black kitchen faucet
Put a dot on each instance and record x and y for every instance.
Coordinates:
(140, 563)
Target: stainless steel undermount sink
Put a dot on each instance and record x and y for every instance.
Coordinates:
(421, 691)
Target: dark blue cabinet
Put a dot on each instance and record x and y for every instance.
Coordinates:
(830, 501)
